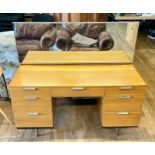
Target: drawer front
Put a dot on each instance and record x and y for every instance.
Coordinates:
(44, 120)
(26, 108)
(110, 119)
(30, 94)
(77, 92)
(125, 90)
(30, 89)
(121, 103)
(33, 116)
(35, 103)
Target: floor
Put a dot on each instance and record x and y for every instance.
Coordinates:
(79, 121)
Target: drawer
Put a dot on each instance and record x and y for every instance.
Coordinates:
(125, 90)
(30, 89)
(26, 108)
(77, 92)
(111, 119)
(123, 103)
(36, 102)
(33, 116)
(44, 120)
(31, 94)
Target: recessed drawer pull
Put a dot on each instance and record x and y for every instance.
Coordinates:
(31, 98)
(32, 114)
(122, 113)
(125, 97)
(30, 88)
(125, 88)
(78, 88)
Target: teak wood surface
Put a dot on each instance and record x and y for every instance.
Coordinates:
(76, 75)
(81, 75)
(76, 57)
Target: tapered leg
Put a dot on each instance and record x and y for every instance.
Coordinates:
(5, 116)
(5, 85)
(100, 103)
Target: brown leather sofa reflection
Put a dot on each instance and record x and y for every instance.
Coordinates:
(33, 36)
(41, 36)
(91, 30)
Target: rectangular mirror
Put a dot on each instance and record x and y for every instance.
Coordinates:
(76, 36)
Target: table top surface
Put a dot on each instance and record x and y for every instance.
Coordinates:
(76, 75)
(1, 71)
(76, 57)
(130, 16)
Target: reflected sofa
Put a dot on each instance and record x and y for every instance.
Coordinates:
(43, 36)
(33, 36)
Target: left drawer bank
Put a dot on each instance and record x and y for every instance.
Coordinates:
(32, 107)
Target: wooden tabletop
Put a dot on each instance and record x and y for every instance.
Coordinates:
(1, 71)
(76, 75)
(130, 16)
(77, 57)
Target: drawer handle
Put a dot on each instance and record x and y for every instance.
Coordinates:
(125, 88)
(30, 88)
(125, 97)
(31, 98)
(122, 113)
(78, 88)
(32, 114)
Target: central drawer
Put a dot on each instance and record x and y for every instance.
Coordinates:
(77, 92)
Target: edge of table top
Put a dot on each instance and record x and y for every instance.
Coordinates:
(67, 76)
(76, 57)
(56, 68)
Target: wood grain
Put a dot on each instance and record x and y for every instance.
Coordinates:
(115, 91)
(71, 92)
(42, 119)
(72, 75)
(22, 95)
(115, 104)
(111, 119)
(76, 57)
(82, 79)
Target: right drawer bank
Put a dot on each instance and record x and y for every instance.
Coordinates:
(122, 106)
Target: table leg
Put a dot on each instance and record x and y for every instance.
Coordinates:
(5, 85)
(5, 116)
(100, 103)
(37, 132)
(118, 131)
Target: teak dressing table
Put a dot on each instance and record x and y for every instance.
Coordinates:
(109, 76)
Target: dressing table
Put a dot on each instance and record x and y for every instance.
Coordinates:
(109, 76)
